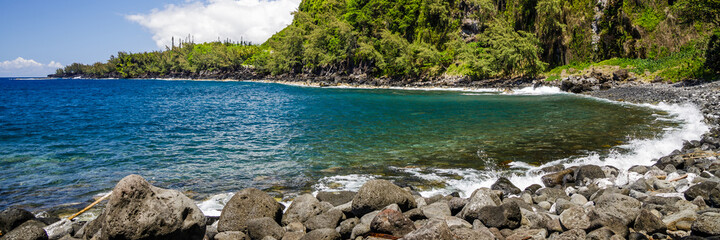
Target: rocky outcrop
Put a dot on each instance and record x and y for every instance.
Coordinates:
(138, 210)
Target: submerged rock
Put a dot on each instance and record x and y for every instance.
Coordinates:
(138, 210)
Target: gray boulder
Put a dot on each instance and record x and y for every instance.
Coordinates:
(138, 210)
(615, 210)
(648, 223)
(29, 230)
(434, 229)
(456, 204)
(504, 216)
(376, 194)
(583, 174)
(329, 219)
(575, 218)
(702, 189)
(707, 224)
(247, 204)
(550, 194)
(12, 217)
(336, 198)
(392, 222)
(258, 228)
(480, 198)
(503, 184)
(302, 208)
(436, 210)
(322, 234)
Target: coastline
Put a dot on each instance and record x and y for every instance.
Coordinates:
(703, 96)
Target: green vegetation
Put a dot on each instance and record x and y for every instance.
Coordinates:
(420, 40)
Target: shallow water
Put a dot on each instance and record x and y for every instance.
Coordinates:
(62, 141)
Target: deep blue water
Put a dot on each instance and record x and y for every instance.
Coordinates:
(61, 141)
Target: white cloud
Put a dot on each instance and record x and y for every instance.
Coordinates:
(251, 20)
(21, 67)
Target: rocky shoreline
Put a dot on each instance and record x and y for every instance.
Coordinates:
(676, 198)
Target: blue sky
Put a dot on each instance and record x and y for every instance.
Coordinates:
(38, 36)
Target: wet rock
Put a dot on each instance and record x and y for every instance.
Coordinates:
(555, 179)
(329, 219)
(12, 217)
(302, 208)
(392, 222)
(59, 229)
(322, 234)
(336, 198)
(247, 204)
(434, 229)
(503, 184)
(346, 227)
(480, 198)
(138, 210)
(707, 224)
(648, 223)
(28, 230)
(258, 228)
(504, 216)
(586, 173)
(376, 194)
(575, 218)
(436, 210)
(572, 235)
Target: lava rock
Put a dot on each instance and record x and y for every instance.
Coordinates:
(247, 204)
(28, 230)
(322, 234)
(571, 235)
(376, 194)
(12, 217)
(138, 210)
(648, 223)
(503, 184)
(392, 222)
(345, 228)
(231, 235)
(436, 210)
(302, 208)
(480, 198)
(615, 210)
(329, 219)
(434, 229)
(575, 218)
(504, 216)
(707, 224)
(586, 173)
(258, 228)
(336, 198)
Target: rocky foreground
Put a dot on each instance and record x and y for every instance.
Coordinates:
(676, 198)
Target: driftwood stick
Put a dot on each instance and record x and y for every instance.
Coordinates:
(680, 177)
(90, 206)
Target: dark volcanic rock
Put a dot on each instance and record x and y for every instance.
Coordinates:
(376, 194)
(12, 217)
(555, 179)
(392, 222)
(336, 198)
(258, 228)
(648, 223)
(29, 230)
(702, 189)
(503, 184)
(247, 204)
(588, 172)
(329, 219)
(322, 234)
(504, 216)
(434, 229)
(302, 208)
(138, 210)
(707, 224)
(480, 198)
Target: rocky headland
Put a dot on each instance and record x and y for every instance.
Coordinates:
(678, 197)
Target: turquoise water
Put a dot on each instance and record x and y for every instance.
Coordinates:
(62, 141)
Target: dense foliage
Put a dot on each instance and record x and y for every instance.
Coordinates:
(419, 40)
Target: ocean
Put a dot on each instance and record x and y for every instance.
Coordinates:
(63, 141)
